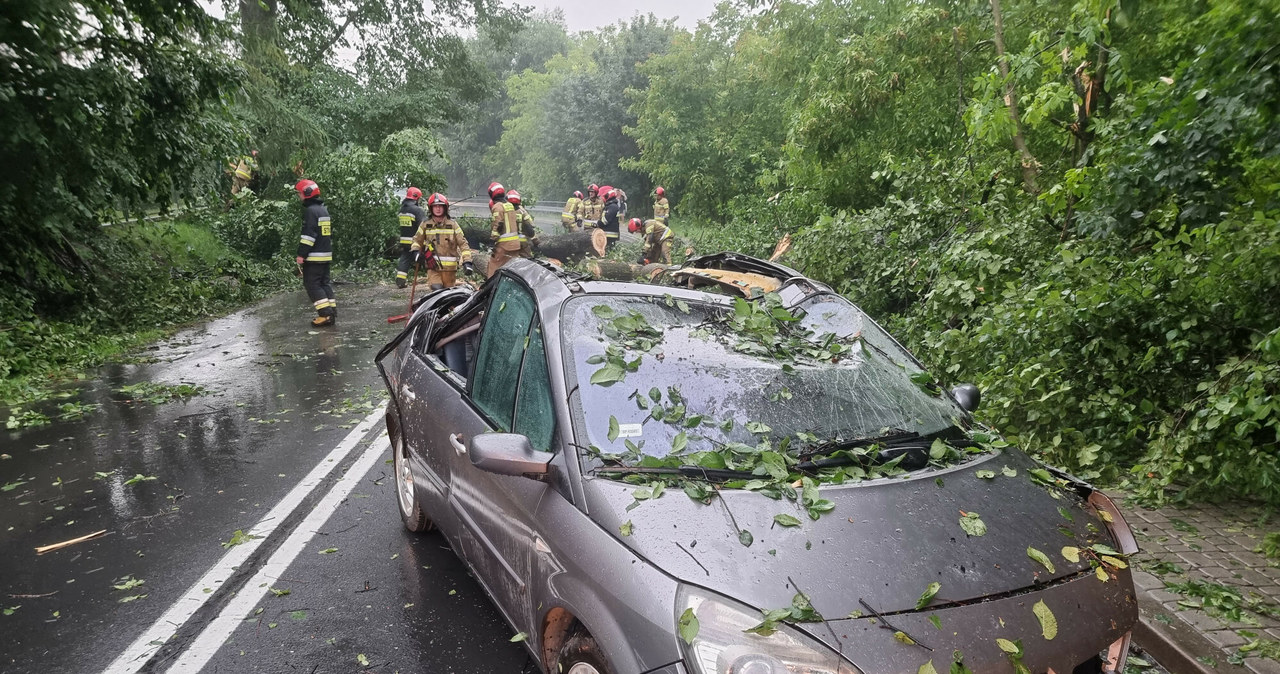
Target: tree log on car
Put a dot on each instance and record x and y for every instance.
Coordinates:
(610, 270)
(651, 272)
(572, 246)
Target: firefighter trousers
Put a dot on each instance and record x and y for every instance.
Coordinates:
(404, 265)
(315, 278)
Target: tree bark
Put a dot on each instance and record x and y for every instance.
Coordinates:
(609, 270)
(572, 246)
(1029, 165)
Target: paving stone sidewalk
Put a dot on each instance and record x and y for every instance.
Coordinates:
(1227, 591)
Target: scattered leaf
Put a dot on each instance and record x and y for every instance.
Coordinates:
(936, 622)
(1048, 623)
(927, 596)
(520, 636)
(785, 520)
(986, 474)
(688, 625)
(902, 636)
(745, 538)
(1114, 562)
(1009, 472)
(328, 551)
(1071, 554)
(926, 668)
(1042, 558)
(1008, 646)
(973, 524)
(625, 528)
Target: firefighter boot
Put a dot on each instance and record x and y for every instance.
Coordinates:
(320, 321)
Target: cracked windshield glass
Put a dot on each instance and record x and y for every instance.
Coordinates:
(696, 383)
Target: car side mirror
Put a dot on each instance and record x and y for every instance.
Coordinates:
(508, 454)
(968, 396)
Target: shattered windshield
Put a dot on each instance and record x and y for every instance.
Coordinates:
(658, 377)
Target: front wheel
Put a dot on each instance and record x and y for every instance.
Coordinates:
(581, 655)
(411, 512)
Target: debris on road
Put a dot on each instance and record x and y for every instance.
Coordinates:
(58, 546)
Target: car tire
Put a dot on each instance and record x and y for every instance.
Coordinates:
(407, 502)
(581, 655)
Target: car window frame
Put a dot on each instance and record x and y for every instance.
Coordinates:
(483, 301)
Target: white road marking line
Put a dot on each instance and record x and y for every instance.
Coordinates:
(215, 635)
(134, 657)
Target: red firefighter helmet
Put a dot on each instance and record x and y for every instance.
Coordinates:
(634, 225)
(593, 189)
(660, 192)
(577, 194)
(496, 190)
(307, 189)
(513, 197)
(610, 193)
(413, 193)
(437, 199)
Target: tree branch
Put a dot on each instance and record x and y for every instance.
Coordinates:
(1029, 165)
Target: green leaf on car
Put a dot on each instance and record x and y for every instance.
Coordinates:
(785, 520)
(927, 595)
(1042, 558)
(689, 626)
(972, 524)
(614, 429)
(1048, 623)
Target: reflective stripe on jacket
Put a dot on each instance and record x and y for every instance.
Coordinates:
(446, 240)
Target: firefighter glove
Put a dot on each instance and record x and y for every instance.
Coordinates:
(468, 267)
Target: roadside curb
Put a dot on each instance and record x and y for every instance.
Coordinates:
(1175, 644)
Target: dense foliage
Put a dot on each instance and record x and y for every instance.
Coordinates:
(1114, 289)
(112, 107)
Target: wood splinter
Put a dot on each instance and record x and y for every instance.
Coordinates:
(58, 546)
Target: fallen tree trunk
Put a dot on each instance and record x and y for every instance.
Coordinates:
(609, 270)
(651, 272)
(572, 246)
(476, 231)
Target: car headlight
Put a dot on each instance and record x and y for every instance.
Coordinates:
(722, 647)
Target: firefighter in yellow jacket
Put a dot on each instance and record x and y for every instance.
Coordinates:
(440, 246)
(657, 240)
(511, 238)
(571, 217)
(593, 205)
(661, 209)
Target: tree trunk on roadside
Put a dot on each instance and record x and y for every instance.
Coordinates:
(1029, 165)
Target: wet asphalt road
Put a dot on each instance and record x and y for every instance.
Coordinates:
(280, 397)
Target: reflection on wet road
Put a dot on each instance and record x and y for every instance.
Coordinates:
(172, 481)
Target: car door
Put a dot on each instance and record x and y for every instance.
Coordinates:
(509, 391)
(422, 380)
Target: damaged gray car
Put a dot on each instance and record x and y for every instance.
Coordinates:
(732, 469)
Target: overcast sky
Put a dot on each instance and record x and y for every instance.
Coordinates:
(588, 14)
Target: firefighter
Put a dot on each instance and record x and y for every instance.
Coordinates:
(593, 207)
(571, 218)
(622, 204)
(661, 209)
(526, 220)
(411, 219)
(509, 238)
(657, 240)
(242, 171)
(440, 246)
(315, 252)
(609, 220)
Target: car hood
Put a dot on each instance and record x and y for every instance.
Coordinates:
(884, 543)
